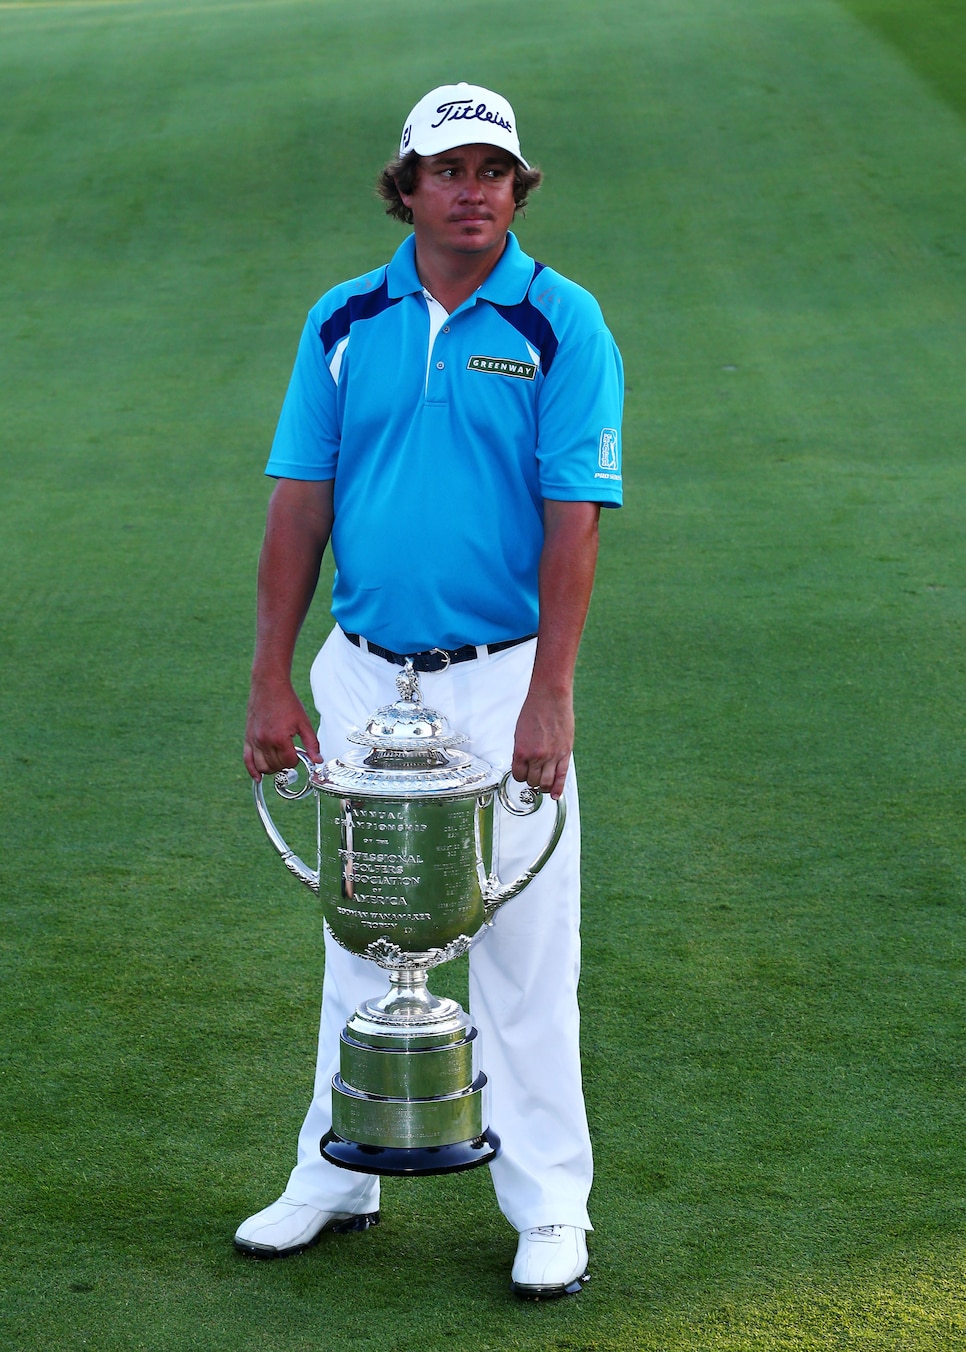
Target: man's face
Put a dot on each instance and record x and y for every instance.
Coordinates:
(463, 199)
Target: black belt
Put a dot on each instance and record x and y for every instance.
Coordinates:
(437, 659)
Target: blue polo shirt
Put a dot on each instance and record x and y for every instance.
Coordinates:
(444, 434)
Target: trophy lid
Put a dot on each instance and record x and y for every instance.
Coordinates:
(408, 727)
(410, 753)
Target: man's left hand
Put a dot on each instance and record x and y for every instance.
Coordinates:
(543, 741)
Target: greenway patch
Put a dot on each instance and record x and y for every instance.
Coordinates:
(503, 366)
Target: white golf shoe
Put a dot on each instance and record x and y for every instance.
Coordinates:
(551, 1261)
(288, 1227)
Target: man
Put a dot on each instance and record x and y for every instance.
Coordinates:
(452, 423)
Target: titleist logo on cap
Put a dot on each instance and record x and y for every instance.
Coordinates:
(461, 114)
(460, 110)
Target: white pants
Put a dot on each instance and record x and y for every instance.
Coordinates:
(523, 973)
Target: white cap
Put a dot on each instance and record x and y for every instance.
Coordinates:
(460, 115)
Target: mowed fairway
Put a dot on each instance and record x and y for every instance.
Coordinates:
(768, 198)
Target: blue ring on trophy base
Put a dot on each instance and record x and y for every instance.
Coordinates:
(415, 1161)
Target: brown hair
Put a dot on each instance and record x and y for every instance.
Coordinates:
(401, 174)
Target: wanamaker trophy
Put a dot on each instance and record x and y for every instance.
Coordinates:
(407, 831)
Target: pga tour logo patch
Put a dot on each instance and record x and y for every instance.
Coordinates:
(503, 366)
(608, 455)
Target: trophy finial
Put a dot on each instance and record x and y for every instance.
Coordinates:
(407, 683)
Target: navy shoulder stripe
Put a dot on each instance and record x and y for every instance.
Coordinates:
(533, 324)
(366, 305)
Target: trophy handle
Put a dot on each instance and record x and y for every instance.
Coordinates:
(495, 893)
(283, 787)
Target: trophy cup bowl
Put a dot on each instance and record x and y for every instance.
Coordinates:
(407, 831)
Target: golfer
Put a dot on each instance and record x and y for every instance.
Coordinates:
(452, 427)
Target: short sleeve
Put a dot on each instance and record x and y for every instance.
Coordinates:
(306, 444)
(579, 431)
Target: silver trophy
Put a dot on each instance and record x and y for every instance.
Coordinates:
(407, 829)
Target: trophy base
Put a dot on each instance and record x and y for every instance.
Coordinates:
(405, 1101)
(412, 1161)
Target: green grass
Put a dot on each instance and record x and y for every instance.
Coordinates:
(768, 198)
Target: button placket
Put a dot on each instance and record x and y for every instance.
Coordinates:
(437, 327)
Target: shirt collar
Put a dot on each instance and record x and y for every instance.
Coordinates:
(506, 285)
(509, 281)
(401, 275)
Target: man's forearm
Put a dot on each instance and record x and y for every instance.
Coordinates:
(545, 728)
(567, 566)
(299, 523)
(296, 533)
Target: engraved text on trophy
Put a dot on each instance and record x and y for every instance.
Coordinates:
(404, 870)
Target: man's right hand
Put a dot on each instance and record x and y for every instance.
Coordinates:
(276, 716)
